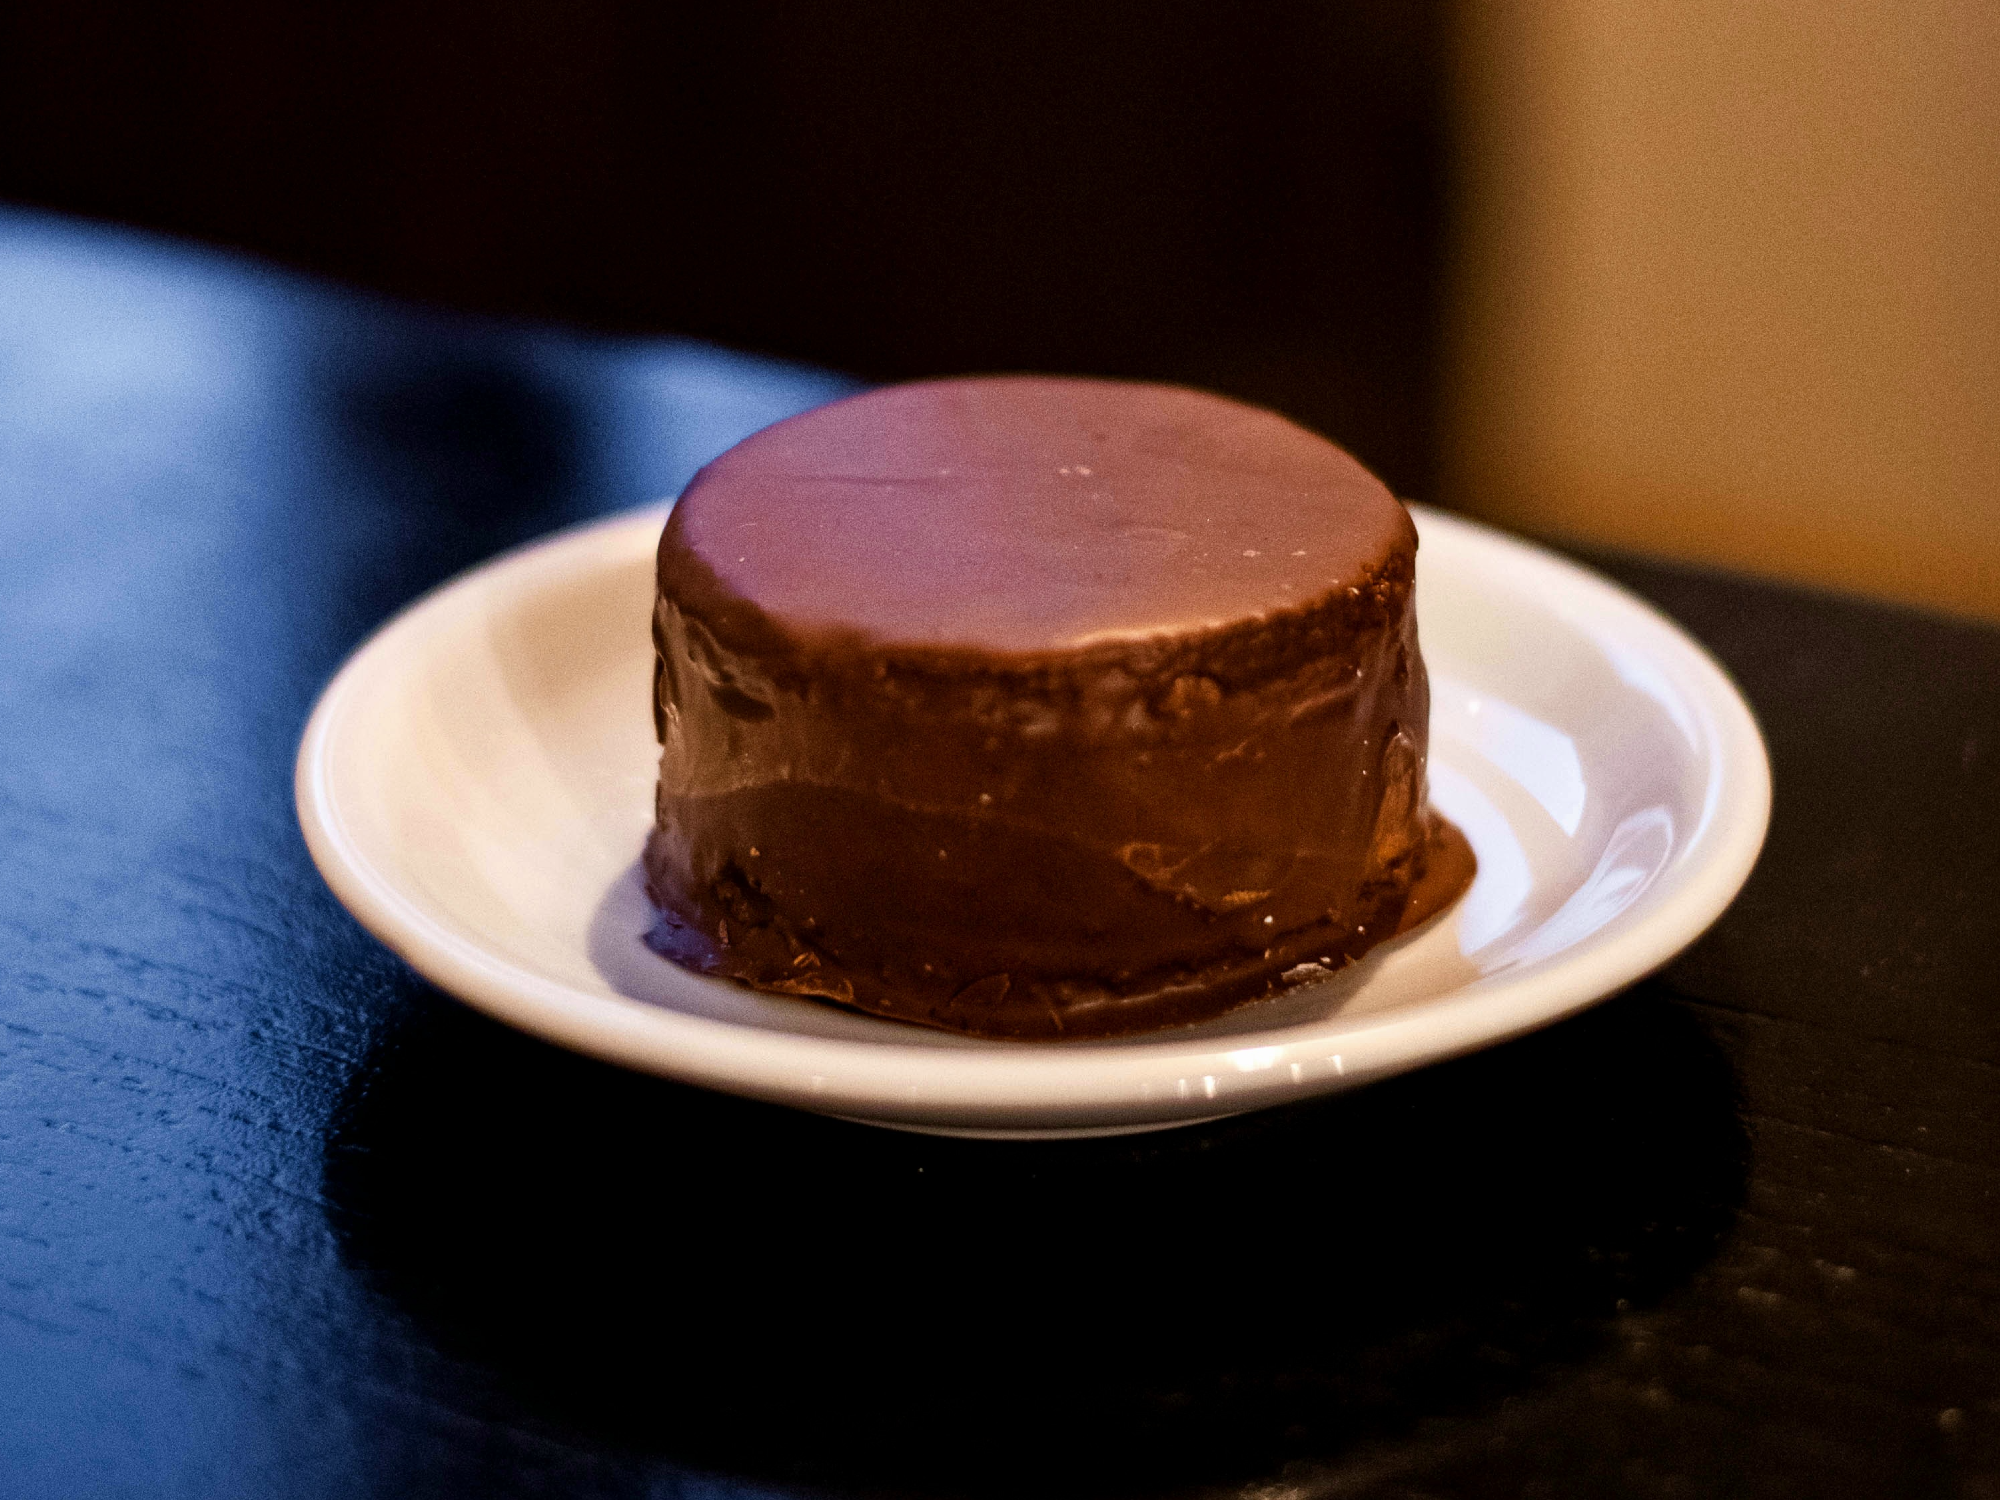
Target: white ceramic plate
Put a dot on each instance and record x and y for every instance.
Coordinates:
(476, 782)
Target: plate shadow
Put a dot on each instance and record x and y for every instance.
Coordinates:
(745, 1289)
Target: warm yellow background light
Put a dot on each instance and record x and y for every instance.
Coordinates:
(1729, 284)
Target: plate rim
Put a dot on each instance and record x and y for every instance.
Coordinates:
(1044, 1086)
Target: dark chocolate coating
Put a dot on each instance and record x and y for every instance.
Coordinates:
(1039, 707)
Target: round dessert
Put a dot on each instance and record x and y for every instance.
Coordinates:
(1039, 708)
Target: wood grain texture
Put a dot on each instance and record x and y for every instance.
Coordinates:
(278, 1218)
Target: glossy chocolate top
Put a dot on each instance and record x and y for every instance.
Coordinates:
(1024, 516)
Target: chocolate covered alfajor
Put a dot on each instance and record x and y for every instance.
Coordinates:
(1039, 708)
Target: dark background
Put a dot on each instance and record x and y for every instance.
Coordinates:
(1247, 196)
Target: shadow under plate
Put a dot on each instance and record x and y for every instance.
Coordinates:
(740, 1288)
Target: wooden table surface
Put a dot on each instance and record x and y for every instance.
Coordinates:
(279, 1219)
